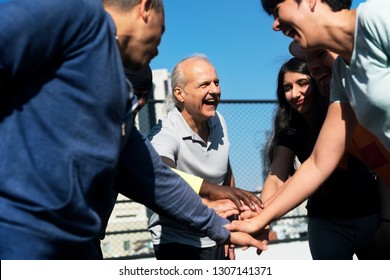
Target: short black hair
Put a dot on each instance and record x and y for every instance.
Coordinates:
(270, 5)
(126, 5)
(336, 5)
(140, 79)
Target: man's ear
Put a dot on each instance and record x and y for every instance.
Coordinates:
(146, 7)
(178, 92)
(312, 4)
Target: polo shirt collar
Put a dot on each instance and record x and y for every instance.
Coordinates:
(185, 131)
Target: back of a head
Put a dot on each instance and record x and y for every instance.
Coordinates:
(126, 5)
(336, 5)
(141, 79)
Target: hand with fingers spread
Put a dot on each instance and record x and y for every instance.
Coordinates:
(238, 196)
(223, 207)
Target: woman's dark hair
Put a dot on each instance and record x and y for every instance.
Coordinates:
(285, 115)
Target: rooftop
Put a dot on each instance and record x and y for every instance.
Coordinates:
(295, 250)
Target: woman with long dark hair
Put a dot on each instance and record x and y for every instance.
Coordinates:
(344, 212)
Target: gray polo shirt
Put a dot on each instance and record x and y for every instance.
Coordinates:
(173, 138)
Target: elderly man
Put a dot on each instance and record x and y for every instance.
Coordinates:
(192, 138)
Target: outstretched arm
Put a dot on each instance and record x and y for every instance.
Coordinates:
(216, 192)
(335, 134)
(281, 168)
(143, 177)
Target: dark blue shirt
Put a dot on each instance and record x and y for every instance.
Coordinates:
(63, 97)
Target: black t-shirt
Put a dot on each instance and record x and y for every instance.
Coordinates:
(352, 189)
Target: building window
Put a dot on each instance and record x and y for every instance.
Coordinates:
(105, 247)
(126, 245)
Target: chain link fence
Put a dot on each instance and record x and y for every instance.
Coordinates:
(249, 123)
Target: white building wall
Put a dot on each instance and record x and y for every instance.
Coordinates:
(162, 87)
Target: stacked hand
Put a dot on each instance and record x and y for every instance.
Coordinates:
(238, 196)
(260, 241)
(227, 201)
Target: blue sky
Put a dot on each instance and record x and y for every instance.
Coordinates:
(235, 35)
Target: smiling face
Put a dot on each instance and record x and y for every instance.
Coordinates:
(320, 65)
(295, 20)
(298, 92)
(200, 95)
(315, 24)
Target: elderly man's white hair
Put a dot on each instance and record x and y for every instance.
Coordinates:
(178, 80)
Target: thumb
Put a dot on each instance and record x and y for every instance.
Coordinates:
(238, 225)
(233, 226)
(229, 227)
